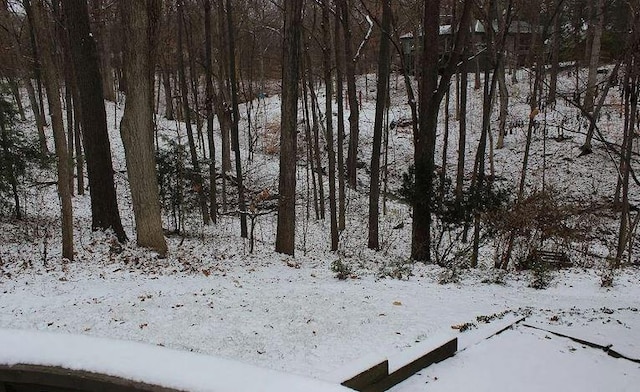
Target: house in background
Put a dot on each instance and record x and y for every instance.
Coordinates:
(518, 43)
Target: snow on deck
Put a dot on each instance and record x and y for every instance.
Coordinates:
(147, 364)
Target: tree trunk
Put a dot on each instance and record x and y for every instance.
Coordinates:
(462, 132)
(136, 127)
(430, 95)
(104, 65)
(104, 205)
(631, 106)
(37, 71)
(197, 175)
(285, 234)
(354, 108)
(555, 57)
(213, 203)
(593, 116)
(44, 36)
(15, 91)
(310, 150)
(594, 59)
(316, 134)
(77, 133)
(339, 52)
(445, 147)
(42, 138)
(384, 61)
(328, 83)
(223, 108)
(504, 104)
(235, 133)
(168, 98)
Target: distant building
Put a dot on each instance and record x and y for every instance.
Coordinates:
(517, 45)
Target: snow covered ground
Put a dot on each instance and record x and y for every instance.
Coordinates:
(211, 296)
(302, 320)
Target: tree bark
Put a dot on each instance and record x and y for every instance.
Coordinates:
(328, 84)
(431, 92)
(594, 59)
(339, 52)
(42, 138)
(555, 57)
(104, 205)
(462, 132)
(354, 108)
(285, 234)
(197, 175)
(235, 133)
(168, 96)
(384, 61)
(316, 134)
(105, 68)
(136, 127)
(213, 203)
(15, 91)
(37, 15)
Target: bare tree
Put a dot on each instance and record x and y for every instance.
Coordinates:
(104, 207)
(384, 63)
(42, 32)
(197, 175)
(136, 127)
(594, 58)
(431, 92)
(213, 203)
(235, 133)
(285, 235)
(354, 108)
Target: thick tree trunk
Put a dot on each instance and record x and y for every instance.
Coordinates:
(285, 234)
(106, 71)
(431, 93)
(136, 126)
(44, 36)
(384, 62)
(104, 205)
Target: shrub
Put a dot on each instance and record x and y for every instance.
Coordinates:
(19, 157)
(342, 270)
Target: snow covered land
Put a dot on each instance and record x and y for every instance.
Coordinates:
(210, 295)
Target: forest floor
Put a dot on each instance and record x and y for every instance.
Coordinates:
(211, 295)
